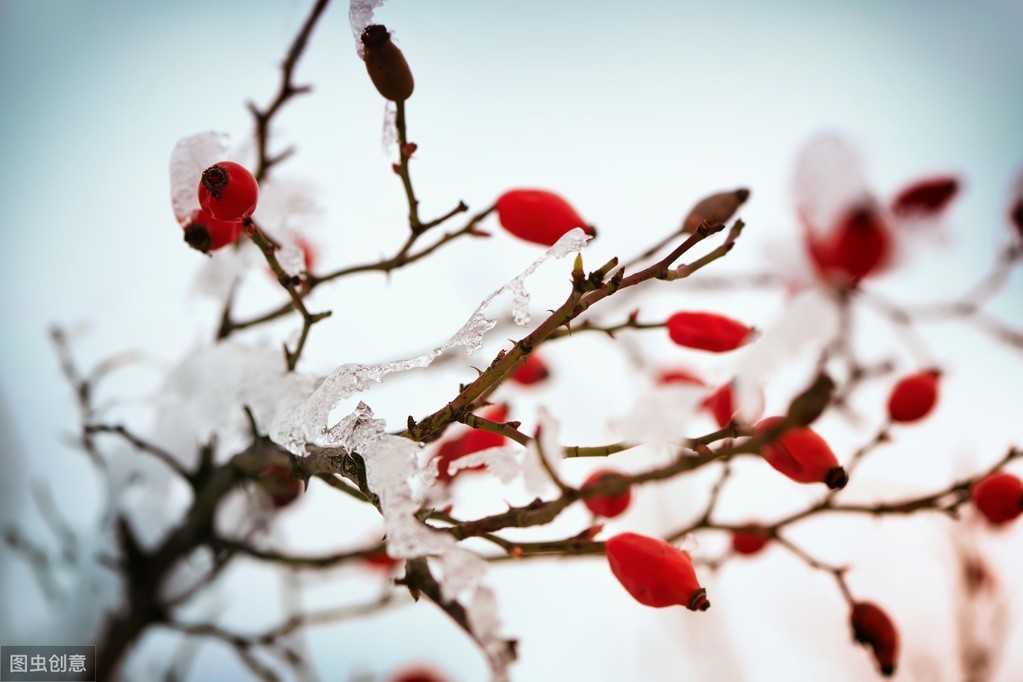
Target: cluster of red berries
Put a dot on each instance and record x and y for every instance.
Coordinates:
(227, 197)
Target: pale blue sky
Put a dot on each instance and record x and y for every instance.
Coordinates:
(632, 110)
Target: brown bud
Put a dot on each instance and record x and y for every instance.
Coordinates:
(872, 626)
(717, 208)
(1017, 216)
(386, 64)
(811, 403)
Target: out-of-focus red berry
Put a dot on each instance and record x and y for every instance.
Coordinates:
(281, 485)
(531, 371)
(608, 506)
(998, 497)
(914, 397)
(925, 197)
(205, 233)
(801, 454)
(858, 246)
(654, 572)
(721, 404)
(707, 331)
(679, 376)
(472, 441)
(750, 539)
(228, 191)
(538, 216)
(872, 627)
(418, 674)
(380, 560)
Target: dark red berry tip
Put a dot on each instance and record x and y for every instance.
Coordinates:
(215, 180)
(836, 478)
(198, 237)
(699, 601)
(742, 194)
(375, 35)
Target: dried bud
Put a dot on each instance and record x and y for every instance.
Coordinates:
(925, 197)
(386, 64)
(872, 626)
(717, 208)
(811, 403)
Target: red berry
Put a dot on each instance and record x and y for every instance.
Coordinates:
(801, 454)
(418, 674)
(721, 404)
(913, 397)
(283, 488)
(472, 441)
(679, 376)
(654, 572)
(380, 560)
(925, 197)
(205, 233)
(531, 371)
(999, 497)
(608, 506)
(750, 539)
(707, 331)
(386, 64)
(872, 626)
(228, 191)
(858, 246)
(538, 216)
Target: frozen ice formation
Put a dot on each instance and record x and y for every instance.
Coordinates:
(191, 156)
(360, 15)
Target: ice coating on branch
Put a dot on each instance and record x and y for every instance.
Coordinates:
(461, 571)
(808, 323)
(506, 462)
(360, 15)
(218, 276)
(389, 133)
(309, 424)
(204, 394)
(390, 463)
(829, 180)
(486, 625)
(291, 257)
(190, 157)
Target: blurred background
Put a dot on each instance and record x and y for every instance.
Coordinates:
(632, 112)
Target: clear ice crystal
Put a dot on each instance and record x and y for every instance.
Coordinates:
(190, 157)
(360, 15)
